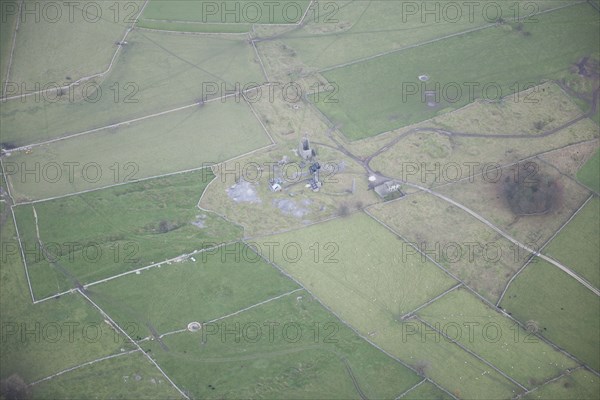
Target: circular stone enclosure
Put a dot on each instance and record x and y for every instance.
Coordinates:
(194, 326)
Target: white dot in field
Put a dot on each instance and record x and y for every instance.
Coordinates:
(372, 178)
(423, 78)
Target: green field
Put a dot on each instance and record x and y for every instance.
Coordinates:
(193, 27)
(496, 338)
(580, 384)
(7, 26)
(156, 72)
(457, 371)
(90, 34)
(374, 96)
(423, 150)
(475, 253)
(345, 31)
(36, 340)
(219, 11)
(218, 283)
(530, 112)
(219, 16)
(484, 195)
(578, 243)
(426, 391)
(110, 379)
(564, 310)
(367, 262)
(315, 357)
(588, 174)
(366, 277)
(184, 140)
(146, 252)
(118, 229)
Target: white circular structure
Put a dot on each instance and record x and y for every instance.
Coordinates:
(423, 78)
(372, 178)
(194, 326)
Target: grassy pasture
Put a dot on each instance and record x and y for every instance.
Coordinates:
(528, 112)
(496, 338)
(425, 149)
(580, 384)
(219, 16)
(367, 262)
(155, 72)
(218, 283)
(484, 195)
(193, 27)
(118, 229)
(317, 362)
(426, 391)
(588, 174)
(132, 375)
(474, 253)
(371, 286)
(569, 160)
(48, 347)
(578, 243)
(565, 311)
(374, 96)
(7, 26)
(447, 364)
(240, 12)
(175, 142)
(90, 28)
(345, 31)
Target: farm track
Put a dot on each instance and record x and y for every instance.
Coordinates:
(362, 394)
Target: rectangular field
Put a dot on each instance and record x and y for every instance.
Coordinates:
(426, 391)
(589, 175)
(219, 12)
(348, 30)
(385, 93)
(154, 72)
(564, 311)
(578, 243)
(580, 384)
(361, 272)
(219, 282)
(90, 28)
(366, 262)
(495, 338)
(184, 140)
(42, 339)
(219, 16)
(485, 194)
(132, 374)
(100, 234)
(475, 254)
(291, 348)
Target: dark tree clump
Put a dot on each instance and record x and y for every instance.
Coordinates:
(529, 192)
